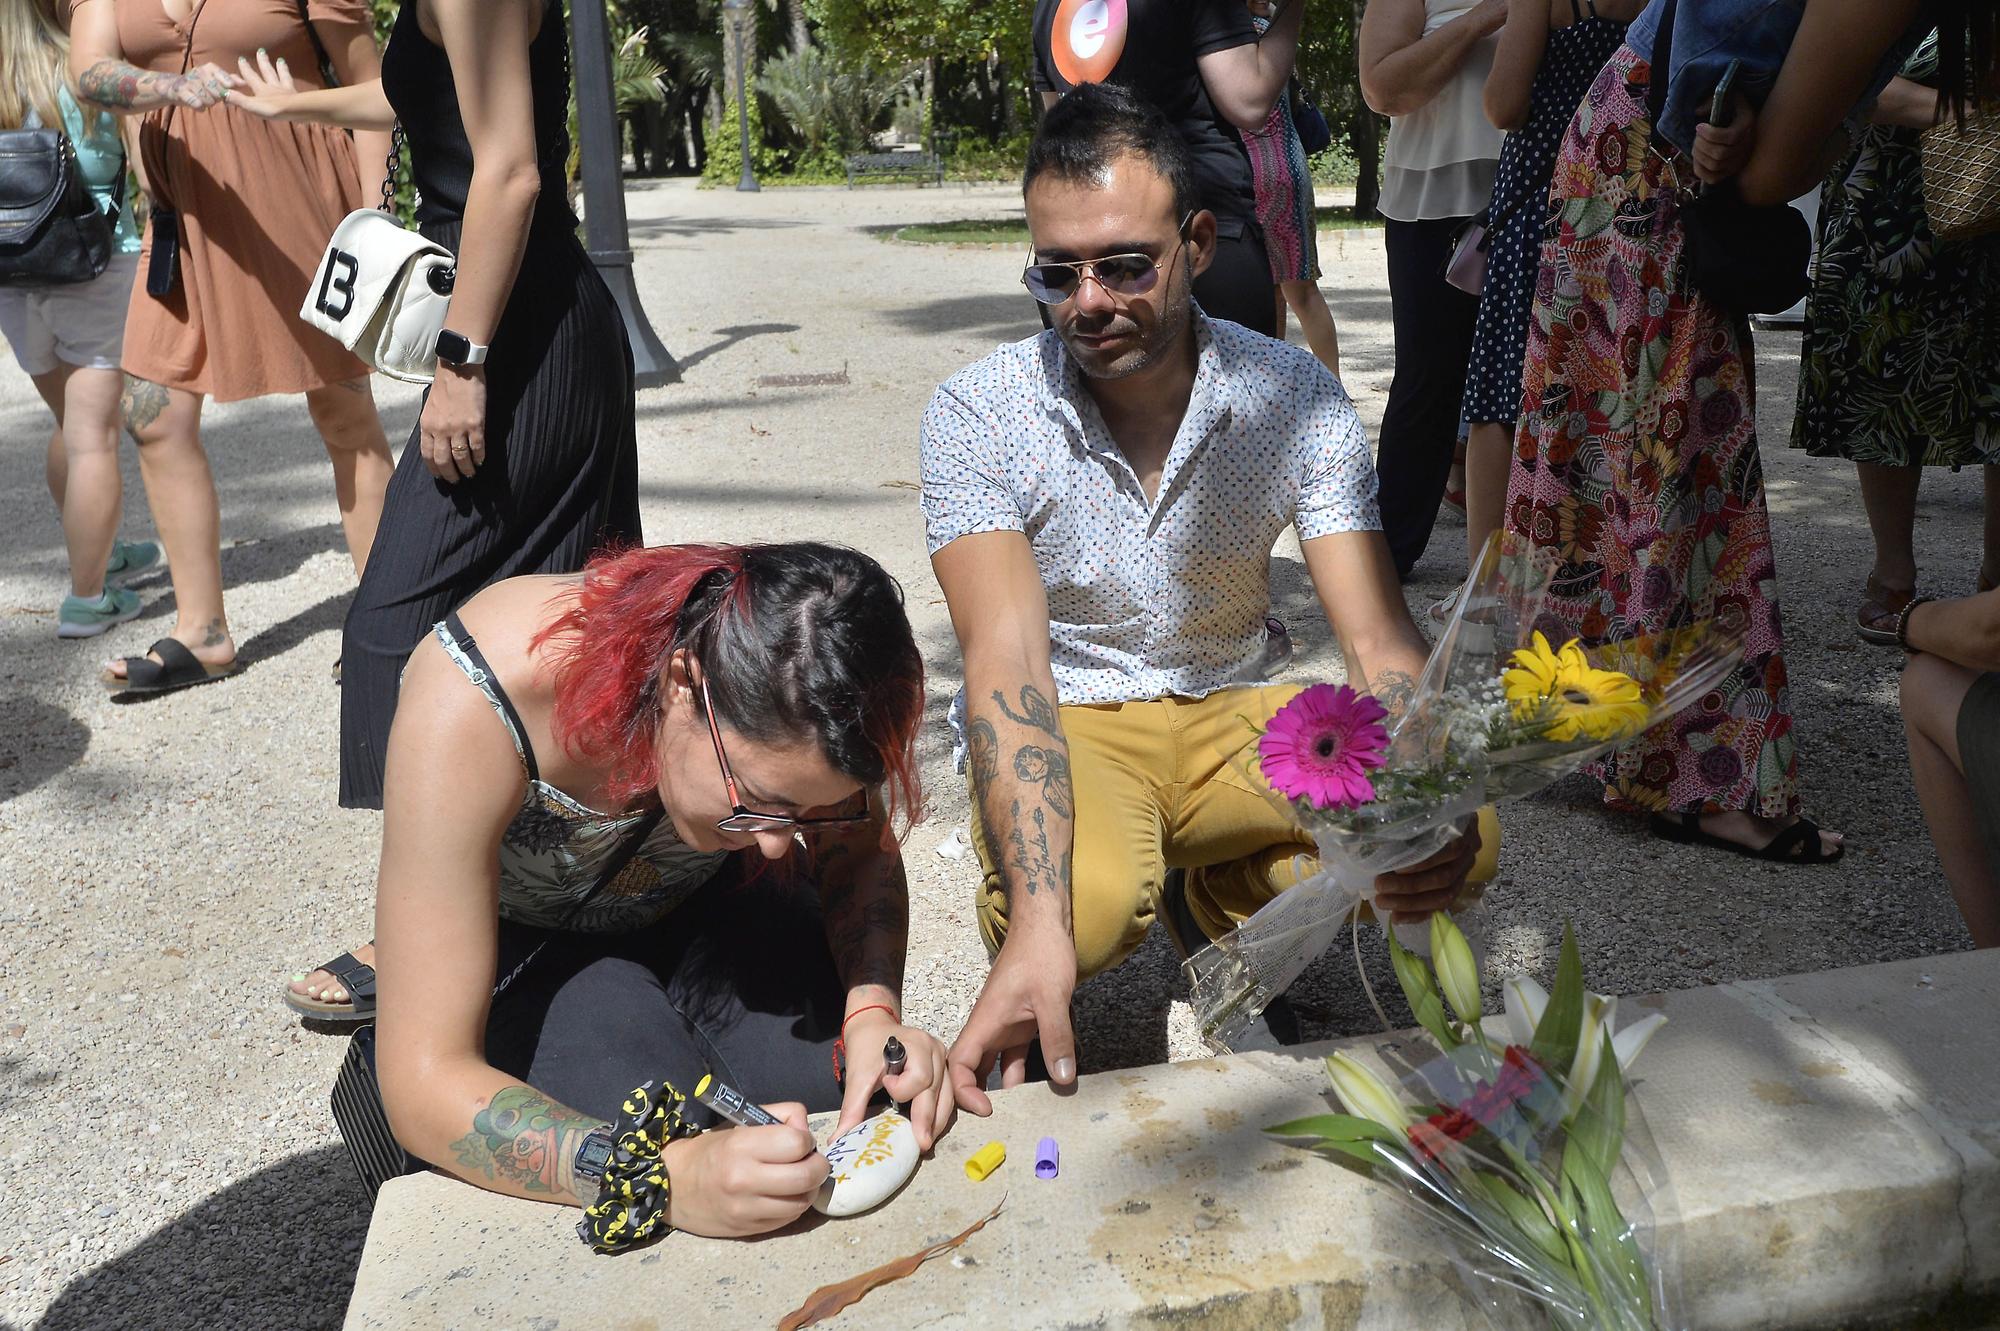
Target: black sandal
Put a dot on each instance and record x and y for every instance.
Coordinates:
(177, 668)
(357, 977)
(1801, 843)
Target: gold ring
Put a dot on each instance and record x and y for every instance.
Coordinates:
(460, 448)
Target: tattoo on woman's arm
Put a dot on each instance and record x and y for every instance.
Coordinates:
(866, 907)
(116, 84)
(525, 1139)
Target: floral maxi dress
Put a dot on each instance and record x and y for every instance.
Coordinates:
(1636, 461)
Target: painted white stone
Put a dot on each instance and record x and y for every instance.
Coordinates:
(869, 1162)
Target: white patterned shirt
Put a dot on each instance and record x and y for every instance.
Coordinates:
(1149, 597)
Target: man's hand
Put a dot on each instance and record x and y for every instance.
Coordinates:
(1418, 891)
(924, 1084)
(1026, 996)
(735, 1182)
(1720, 154)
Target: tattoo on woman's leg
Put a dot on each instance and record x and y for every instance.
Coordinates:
(141, 404)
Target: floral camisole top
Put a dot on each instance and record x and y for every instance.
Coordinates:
(556, 848)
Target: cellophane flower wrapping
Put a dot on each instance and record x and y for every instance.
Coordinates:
(1428, 786)
(1470, 735)
(1531, 1168)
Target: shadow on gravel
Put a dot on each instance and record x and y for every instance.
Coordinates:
(277, 1249)
(1008, 315)
(729, 337)
(40, 740)
(690, 228)
(281, 637)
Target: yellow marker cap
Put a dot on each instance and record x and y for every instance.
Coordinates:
(985, 1160)
(702, 1085)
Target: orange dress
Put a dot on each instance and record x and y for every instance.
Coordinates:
(257, 202)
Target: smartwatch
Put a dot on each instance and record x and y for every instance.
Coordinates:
(458, 349)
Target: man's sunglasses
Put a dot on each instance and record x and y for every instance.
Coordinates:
(741, 819)
(1119, 274)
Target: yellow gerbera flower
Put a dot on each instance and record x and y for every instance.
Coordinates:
(1570, 695)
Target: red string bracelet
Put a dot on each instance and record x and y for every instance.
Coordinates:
(840, 1041)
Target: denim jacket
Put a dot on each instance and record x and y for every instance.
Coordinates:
(1708, 34)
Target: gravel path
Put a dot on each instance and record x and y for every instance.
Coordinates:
(170, 1160)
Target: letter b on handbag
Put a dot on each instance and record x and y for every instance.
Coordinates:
(381, 292)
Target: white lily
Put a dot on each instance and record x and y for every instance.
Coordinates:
(1526, 1001)
(1457, 970)
(1364, 1094)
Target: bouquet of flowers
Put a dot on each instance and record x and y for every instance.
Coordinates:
(1523, 1148)
(1498, 714)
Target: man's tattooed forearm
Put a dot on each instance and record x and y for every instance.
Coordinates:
(1049, 769)
(1035, 867)
(1036, 710)
(982, 752)
(525, 1139)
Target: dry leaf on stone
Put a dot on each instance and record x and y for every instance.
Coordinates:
(827, 1300)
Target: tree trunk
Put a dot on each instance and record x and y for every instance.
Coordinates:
(801, 36)
(1367, 138)
(1010, 105)
(930, 104)
(1368, 159)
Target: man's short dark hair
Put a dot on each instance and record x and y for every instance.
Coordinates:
(1093, 125)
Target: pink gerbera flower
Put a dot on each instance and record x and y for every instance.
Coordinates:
(1321, 746)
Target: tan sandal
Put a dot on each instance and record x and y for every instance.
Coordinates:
(1875, 620)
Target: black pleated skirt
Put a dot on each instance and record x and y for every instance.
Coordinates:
(561, 480)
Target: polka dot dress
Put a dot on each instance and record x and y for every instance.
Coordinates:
(1519, 215)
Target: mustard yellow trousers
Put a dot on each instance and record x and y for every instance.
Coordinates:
(1171, 783)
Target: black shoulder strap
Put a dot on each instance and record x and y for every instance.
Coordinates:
(327, 72)
(478, 658)
(1656, 84)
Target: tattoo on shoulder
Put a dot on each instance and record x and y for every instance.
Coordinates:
(1036, 710)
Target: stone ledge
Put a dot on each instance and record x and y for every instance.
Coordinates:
(1831, 1140)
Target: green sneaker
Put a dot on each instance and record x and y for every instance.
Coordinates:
(133, 560)
(85, 617)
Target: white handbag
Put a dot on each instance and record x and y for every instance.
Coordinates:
(381, 292)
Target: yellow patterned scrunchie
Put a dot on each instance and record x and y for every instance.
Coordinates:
(632, 1199)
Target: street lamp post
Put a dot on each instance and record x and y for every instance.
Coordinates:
(606, 236)
(739, 17)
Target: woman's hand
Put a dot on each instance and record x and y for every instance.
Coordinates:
(924, 1084)
(263, 89)
(734, 1182)
(452, 430)
(1720, 154)
(203, 86)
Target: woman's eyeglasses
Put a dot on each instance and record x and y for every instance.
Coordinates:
(1119, 274)
(742, 819)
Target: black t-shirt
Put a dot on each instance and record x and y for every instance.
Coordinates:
(1150, 47)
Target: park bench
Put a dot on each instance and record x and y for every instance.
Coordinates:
(917, 166)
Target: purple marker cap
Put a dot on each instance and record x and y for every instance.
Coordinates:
(1047, 1158)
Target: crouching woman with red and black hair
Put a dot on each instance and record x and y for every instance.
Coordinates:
(585, 780)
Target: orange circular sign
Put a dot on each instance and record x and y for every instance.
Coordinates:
(1088, 38)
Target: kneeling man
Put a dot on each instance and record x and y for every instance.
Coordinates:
(1101, 501)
